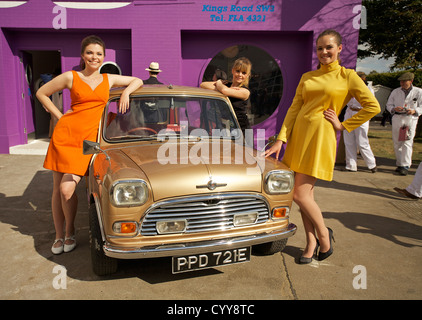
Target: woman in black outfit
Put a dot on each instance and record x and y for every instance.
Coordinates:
(237, 90)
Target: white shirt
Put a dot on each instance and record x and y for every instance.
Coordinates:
(413, 100)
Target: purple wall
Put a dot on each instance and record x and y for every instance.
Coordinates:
(182, 35)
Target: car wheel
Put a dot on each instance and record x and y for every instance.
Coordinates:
(271, 247)
(101, 264)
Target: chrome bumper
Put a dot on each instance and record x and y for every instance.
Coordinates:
(197, 247)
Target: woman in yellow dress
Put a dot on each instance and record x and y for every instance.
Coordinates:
(309, 130)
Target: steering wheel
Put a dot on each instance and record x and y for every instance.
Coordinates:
(142, 128)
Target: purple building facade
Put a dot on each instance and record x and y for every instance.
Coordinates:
(189, 38)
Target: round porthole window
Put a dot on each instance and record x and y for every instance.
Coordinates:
(266, 83)
(110, 67)
(28, 74)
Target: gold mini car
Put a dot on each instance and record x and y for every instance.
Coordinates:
(173, 177)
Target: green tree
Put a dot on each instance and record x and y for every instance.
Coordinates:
(394, 30)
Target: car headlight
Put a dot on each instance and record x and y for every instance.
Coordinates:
(129, 193)
(279, 181)
(171, 226)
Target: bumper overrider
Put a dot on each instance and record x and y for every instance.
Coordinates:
(173, 250)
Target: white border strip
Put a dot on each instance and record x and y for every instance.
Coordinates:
(91, 5)
(11, 4)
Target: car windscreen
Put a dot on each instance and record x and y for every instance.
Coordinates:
(151, 117)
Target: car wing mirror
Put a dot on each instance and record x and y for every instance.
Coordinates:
(271, 141)
(91, 147)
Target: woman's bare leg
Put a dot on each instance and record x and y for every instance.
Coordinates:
(69, 202)
(311, 214)
(56, 208)
(311, 238)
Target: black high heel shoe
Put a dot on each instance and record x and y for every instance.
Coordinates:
(325, 255)
(304, 260)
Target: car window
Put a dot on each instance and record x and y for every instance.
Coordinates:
(151, 117)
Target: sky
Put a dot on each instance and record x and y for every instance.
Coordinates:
(374, 63)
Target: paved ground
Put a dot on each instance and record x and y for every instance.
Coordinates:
(377, 253)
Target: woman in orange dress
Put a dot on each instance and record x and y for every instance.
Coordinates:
(89, 91)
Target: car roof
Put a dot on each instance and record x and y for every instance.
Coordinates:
(168, 90)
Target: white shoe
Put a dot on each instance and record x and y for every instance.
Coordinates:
(69, 247)
(57, 250)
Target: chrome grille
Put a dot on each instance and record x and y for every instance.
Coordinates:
(205, 213)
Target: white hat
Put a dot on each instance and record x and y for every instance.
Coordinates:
(154, 67)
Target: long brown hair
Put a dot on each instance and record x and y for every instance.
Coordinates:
(92, 39)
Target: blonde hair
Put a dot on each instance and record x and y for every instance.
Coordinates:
(244, 65)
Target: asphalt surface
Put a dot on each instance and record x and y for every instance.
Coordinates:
(377, 249)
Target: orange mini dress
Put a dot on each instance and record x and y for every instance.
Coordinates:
(64, 153)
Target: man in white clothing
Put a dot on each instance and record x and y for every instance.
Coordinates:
(405, 104)
(358, 138)
(414, 190)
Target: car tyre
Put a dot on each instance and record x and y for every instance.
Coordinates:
(270, 248)
(101, 264)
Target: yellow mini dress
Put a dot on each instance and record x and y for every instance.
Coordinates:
(311, 139)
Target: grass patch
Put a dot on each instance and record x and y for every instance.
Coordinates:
(382, 144)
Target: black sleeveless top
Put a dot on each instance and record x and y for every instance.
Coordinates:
(239, 107)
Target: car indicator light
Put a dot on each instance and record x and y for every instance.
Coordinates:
(281, 213)
(125, 227)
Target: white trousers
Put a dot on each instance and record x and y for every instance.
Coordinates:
(403, 149)
(357, 139)
(415, 187)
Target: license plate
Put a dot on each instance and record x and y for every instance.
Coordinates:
(211, 259)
